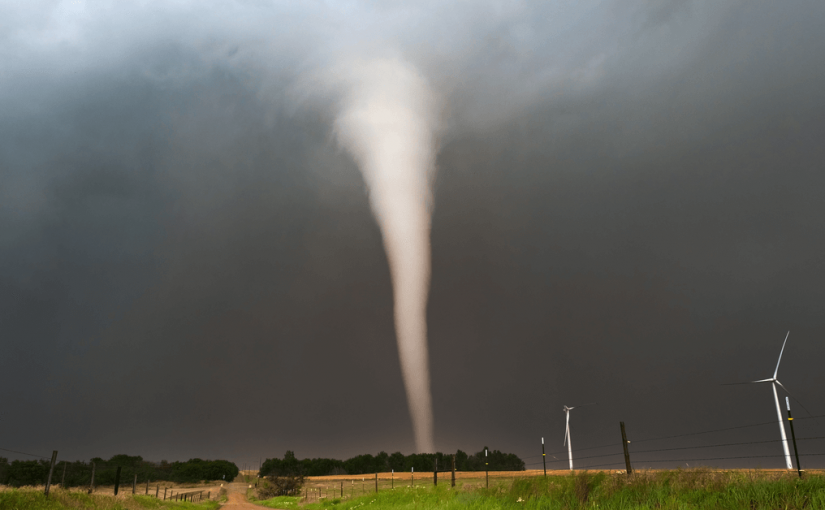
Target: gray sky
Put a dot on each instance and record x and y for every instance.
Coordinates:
(628, 210)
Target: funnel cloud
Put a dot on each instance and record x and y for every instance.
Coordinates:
(387, 123)
(629, 196)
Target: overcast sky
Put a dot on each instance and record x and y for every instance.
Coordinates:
(628, 210)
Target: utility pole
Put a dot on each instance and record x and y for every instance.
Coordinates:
(543, 458)
(793, 437)
(624, 446)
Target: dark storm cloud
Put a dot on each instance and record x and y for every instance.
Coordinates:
(627, 210)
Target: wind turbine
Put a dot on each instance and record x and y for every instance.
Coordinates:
(774, 381)
(567, 410)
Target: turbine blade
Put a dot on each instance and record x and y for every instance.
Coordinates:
(747, 382)
(582, 405)
(780, 354)
(794, 397)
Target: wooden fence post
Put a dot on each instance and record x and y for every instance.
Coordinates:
(134, 484)
(452, 481)
(63, 478)
(51, 469)
(117, 479)
(626, 453)
(92, 485)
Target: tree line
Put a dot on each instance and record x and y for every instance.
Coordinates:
(383, 462)
(78, 473)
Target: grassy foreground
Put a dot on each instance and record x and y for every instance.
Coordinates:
(29, 499)
(680, 489)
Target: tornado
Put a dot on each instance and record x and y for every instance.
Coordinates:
(387, 122)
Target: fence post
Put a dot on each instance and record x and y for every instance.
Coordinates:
(51, 469)
(376, 482)
(117, 479)
(92, 484)
(452, 481)
(543, 458)
(134, 484)
(435, 473)
(793, 437)
(486, 469)
(147, 487)
(63, 478)
(164, 493)
(626, 453)
(412, 476)
(157, 491)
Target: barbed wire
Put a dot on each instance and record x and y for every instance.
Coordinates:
(24, 453)
(636, 441)
(725, 444)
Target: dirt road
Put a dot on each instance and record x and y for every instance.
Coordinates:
(236, 492)
(237, 501)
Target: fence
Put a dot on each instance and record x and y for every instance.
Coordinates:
(49, 472)
(601, 457)
(611, 455)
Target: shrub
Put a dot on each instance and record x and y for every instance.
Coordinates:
(273, 486)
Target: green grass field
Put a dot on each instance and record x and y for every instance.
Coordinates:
(30, 499)
(680, 489)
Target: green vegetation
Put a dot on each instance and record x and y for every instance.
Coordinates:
(20, 473)
(680, 489)
(29, 499)
(283, 502)
(382, 462)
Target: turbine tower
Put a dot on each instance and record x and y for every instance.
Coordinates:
(774, 381)
(567, 410)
